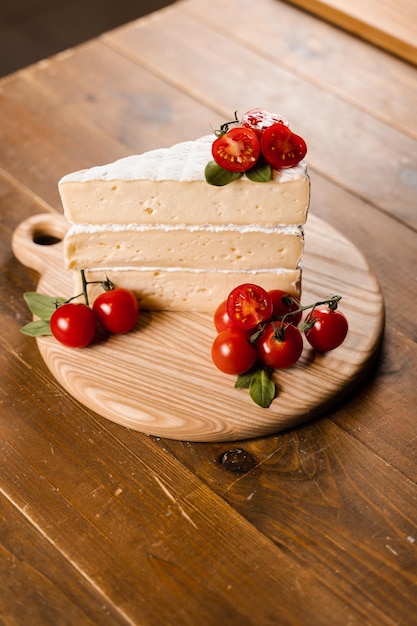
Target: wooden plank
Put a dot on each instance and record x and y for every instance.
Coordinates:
(309, 480)
(49, 144)
(338, 126)
(39, 585)
(59, 126)
(373, 81)
(380, 427)
(385, 23)
(135, 105)
(131, 519)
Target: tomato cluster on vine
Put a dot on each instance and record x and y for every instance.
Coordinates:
(75, 324)
(260, 141)
(259, 326)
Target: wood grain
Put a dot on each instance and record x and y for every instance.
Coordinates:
(319, 474)
(169, 388)
(385, 23)
(374, 82)
(45, 587)
(132, 524)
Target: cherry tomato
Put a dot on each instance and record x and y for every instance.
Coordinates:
(277, 351)
(73, 325)
(237, 150)
(232, 353)
(259, 120)
(281, 147)
(329, 330)
(248, 305)
(221, 317)
(116, 310)
(284, 302)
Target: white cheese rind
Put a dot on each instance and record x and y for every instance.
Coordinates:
(181, 290)
(224, 248)
(183, 162)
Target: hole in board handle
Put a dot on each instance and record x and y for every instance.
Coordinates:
(42, 238)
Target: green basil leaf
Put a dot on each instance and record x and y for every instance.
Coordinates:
(218, 176)
(38, 328)
(42, 306)
(260, 173)
(243, 380)
(262, 388)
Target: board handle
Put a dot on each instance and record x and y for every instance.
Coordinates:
(37, 241)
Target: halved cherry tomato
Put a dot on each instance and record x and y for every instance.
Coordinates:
(73, 324)
(232, 353)
(281, 147)
(280, 346)
(329, 328)
(236, 150)
(283, 303)
(248, 305)
(116, 310)
(259, 120)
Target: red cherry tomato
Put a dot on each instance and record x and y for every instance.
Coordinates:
(259, 120)
(221, 317)
(248, 305)
(232, 353)
(281, 147)
(116, 310)
(236, 150)
(73, 325)
(277, 351)
(283, 303)
(329, 330)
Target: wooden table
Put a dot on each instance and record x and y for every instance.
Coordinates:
(385, 23)
(104, 525)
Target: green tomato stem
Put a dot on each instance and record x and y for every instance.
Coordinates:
(225, 127)
(278, 331)
(332, 302)
(84, 285)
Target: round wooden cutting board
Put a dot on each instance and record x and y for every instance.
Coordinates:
(159, 379)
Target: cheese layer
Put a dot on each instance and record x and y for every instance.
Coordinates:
(182, 290)
(172, 202)
(167, 186)
(224, 248)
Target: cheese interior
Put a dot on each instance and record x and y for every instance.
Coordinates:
(186, 290)
(224, 248)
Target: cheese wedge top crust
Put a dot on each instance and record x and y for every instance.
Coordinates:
(124, 192)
